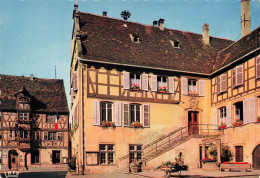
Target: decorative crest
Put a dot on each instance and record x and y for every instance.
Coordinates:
(125, 14)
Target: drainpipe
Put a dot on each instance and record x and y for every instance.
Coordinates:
(82, 117)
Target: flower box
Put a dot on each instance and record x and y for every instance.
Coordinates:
(135, 87)
(223, 125)
(258, 119)
(107, 124)
(136, 124)
(162, 89)
(237, 123)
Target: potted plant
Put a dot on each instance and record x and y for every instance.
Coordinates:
(136, 124)
(72, 165)
(258, 119)
(135, 86)
(163, 89)
(105, 124)
(223, 125)
(237, 123)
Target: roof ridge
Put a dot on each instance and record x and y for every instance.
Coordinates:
(29, 77)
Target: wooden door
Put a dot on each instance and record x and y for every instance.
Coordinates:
(13, 160)
(56, 157)
(193, 118)
(256, 158)
(239, 154)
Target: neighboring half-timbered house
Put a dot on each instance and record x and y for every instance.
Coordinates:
(147, 93)
(30, 107)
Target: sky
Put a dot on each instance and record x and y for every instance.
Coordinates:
(35, 35)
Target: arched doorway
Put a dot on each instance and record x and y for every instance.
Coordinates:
(13, 159)
(256, 157)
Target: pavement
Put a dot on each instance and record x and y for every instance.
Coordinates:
(161, 174)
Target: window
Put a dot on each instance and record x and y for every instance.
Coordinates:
(135, 38)
(222, 114)
(23, 116)
(107, 153)
(222, 83)
(238, 76)
(12, 134)
(36, 135)
(45, 135)
(135, 81)
(162, 83)
(106, 111)
(50, 118)
(175, 44)
(192, 86)
(239, 111)
(59, 136)
(257, 61)
(135, 152)
(24, 133)
(135, 112)
(35, 157)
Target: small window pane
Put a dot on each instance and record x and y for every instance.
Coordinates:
(110, 147)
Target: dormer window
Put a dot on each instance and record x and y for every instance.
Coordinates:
(135, 38)
(175, 44)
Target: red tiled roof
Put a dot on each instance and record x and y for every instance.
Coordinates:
(238, 49)
(47, 95)
(106, 39)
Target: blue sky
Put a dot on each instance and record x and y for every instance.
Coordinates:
(35, 35)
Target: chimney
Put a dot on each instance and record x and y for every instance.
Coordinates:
(161, 24)
(104, 13)
(205, 35)
(155, 23)
(245, 17)
(31, 77)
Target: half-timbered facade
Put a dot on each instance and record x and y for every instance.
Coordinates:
(30, 107)
(147, 93)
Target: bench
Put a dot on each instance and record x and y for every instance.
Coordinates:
(241, 167)
(169, 170)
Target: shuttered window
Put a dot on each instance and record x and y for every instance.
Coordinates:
(96, 112)
(145, 82)
(171, 84)
(201, 88)
(258, 66)
(126, 76)
(215, 119)
(238, 76)
(72, 95)
(246, 111)
(146, 116)
(154, 82)
(106, 111)
(126, 114)
(184, 86)
(222, 83)
(135, 81)
(75, 81)
(118, 114)
(222, 114)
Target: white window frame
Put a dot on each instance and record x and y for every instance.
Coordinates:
(161, 83)
(135, 112)
(222, 114)
(135, 80)
(106, 151)
(191, 90)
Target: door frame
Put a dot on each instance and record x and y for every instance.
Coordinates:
(13, 154)
(253, 158)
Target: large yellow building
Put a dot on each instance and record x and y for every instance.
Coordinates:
(150, 93)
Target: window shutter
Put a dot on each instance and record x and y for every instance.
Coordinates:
(229, 115)
(219, 84)
(71, 94)
(126, 76)
(201, 88)
(246, 111)
(146, 115)
(224, 83)
(154, 82)
(215, 119)
(184, 86)
(234, 78)
(252, 109)
(171, 84)
(118, 114)
(145, 82)
(258, 66)
(126, 114)
(75, 80)
(239, 75)
(96, 112)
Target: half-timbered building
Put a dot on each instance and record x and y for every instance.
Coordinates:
(29, 109)
(149, 93)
